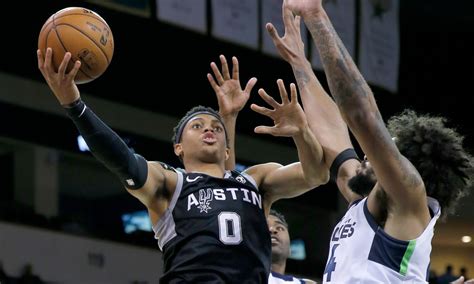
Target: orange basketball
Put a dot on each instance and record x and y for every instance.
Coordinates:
(85, 35)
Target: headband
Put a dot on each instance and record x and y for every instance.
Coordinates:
(179, 133)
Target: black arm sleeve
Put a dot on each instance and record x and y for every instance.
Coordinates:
(108, 147)
(345, 155)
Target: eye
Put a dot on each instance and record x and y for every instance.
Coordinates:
(196, 126)
(218, 128)
(280, 229)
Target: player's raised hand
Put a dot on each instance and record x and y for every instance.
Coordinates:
(61, 83)
(290, 46)
(288, 116)
(304, 7)
(230, 96)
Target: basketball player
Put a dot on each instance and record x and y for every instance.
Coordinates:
(231, 99)
(205, 218)
(397, 192)
(279, 233)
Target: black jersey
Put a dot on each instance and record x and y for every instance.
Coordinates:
(214, 231)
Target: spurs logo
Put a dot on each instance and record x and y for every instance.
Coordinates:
(205, 198)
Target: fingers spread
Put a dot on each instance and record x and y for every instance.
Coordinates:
(264, 130)
(64, 64)
(40, 59)
(269, 100)
(217, 73)
(294, 93)
(47, 59)
(298, 24)
(213, 83)
(283, 94)
(250, 84)
(75, 69)
(225, 67)
(261, 110)
(273, 32)
(235, 68)
(287, 16)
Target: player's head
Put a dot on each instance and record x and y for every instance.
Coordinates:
(279, 233)
(204, 127)
(437, 153)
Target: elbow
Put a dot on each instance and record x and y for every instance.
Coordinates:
(317, 179)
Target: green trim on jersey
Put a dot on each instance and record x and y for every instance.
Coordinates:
(406, 257)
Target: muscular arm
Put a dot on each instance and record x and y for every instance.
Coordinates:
(395, 174)
(322, 113)
(327, 125)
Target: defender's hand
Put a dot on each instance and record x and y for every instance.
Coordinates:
(290, 46)
(304, 7)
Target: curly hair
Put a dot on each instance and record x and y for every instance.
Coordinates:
(437, 153)
(178, 129)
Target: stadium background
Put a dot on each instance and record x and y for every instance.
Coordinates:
(46, 181)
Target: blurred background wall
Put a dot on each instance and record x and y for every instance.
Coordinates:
(414, 54)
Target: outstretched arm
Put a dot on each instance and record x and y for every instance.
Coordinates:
(323, 115)
(144, 180)
(231, 99)
(396, 175)
(289, 121)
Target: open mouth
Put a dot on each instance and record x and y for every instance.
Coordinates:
(275, 241)
(209, 138)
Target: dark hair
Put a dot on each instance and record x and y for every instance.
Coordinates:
(280, 216)
(178, 129)
(437, 153)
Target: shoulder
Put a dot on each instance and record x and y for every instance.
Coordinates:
(165, 174)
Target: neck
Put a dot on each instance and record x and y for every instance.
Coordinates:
(279, 266)
(214, 170)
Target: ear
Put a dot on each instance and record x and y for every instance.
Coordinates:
(227, 151)
(178, 149)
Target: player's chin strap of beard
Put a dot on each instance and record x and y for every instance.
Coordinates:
(108, 147)
(179, 133)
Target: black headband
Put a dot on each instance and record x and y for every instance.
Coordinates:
(179, 133)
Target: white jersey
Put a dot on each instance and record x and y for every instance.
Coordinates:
(361, 252)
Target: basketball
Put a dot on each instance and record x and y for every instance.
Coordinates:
(85, 35)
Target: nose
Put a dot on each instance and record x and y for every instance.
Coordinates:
(208, 128)
(272, 230)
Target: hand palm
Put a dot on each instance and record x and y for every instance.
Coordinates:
(231, 96)
(288, 119)
(288, 116)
